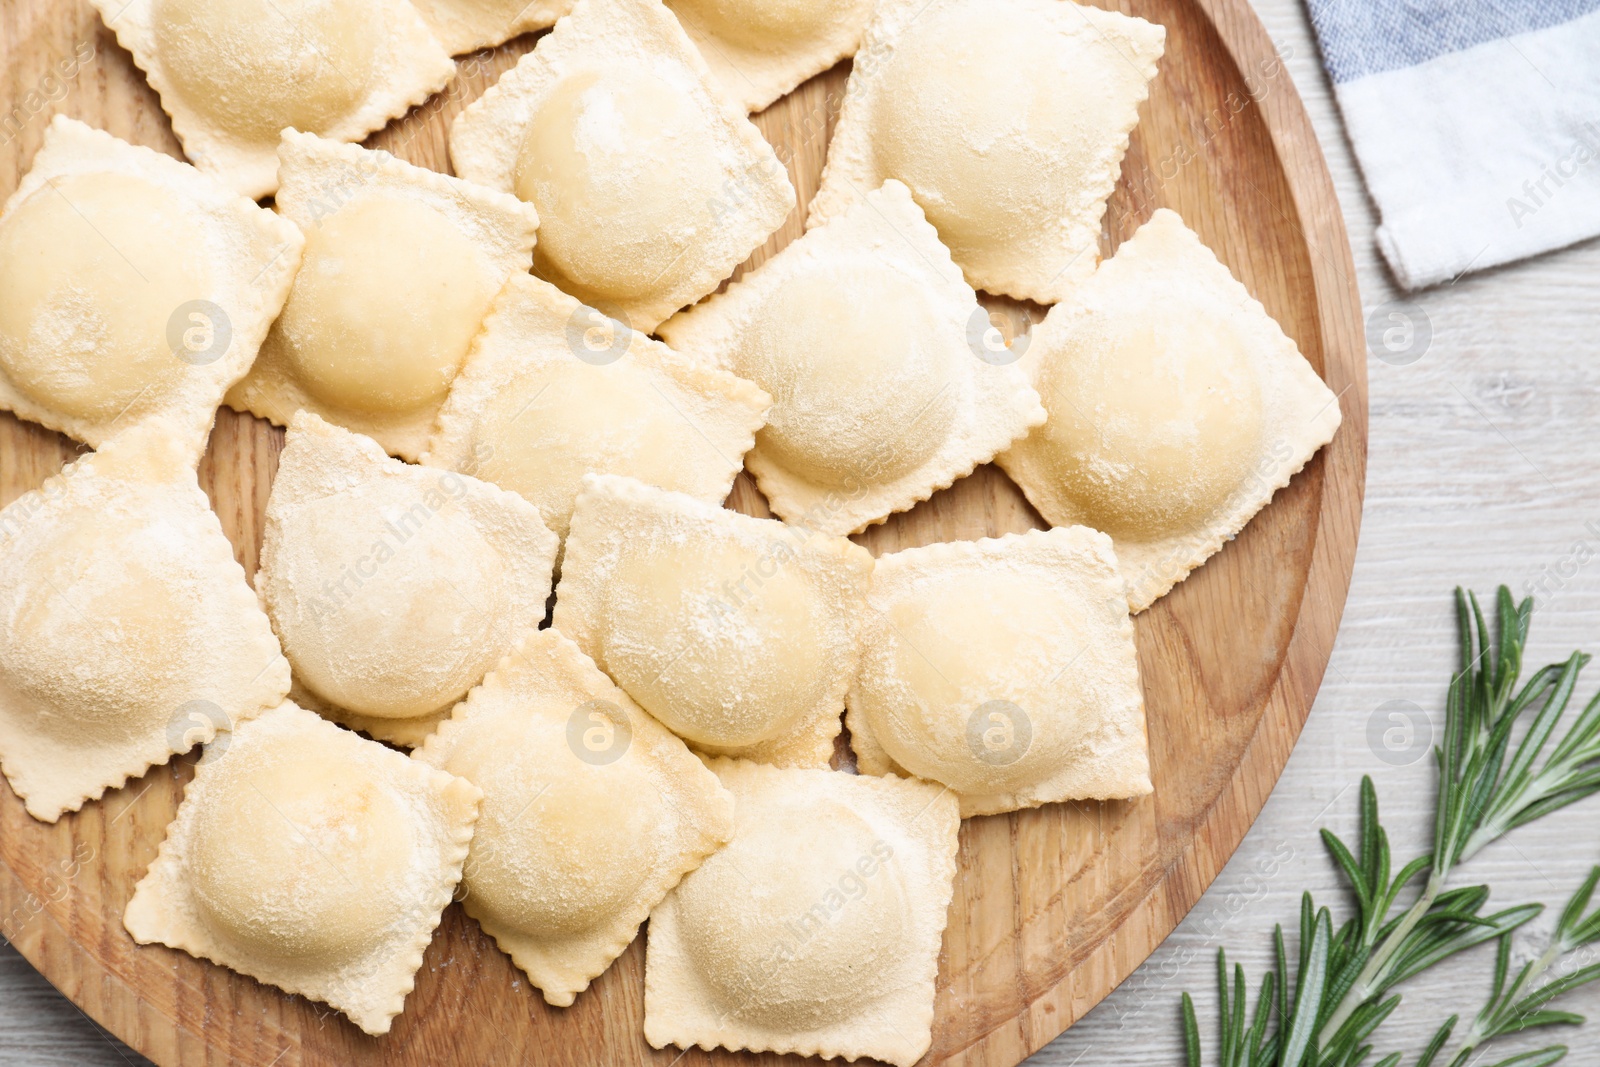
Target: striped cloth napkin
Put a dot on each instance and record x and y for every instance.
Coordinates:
(1476, 124)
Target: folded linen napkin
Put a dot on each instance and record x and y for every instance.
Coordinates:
(1476, 124)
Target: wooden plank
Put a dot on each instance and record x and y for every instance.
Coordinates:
(1053, 907)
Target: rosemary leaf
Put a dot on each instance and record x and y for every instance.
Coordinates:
(1405, 923)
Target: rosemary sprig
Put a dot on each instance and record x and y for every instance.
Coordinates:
(1521, 1005)
(1342, 984)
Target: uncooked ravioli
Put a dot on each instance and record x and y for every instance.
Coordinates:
(1005, 670)
(740, 634)
(761, 49)
(137, 288)
(1007, 119)
(127, 631)
(816, 930)
(651, 186)
(233, 74)
(553, 390)
(312, 860)
(1177, 408)
(394, 588)
(400, 268)
(591, 813)
(867, 337)
(468, 25)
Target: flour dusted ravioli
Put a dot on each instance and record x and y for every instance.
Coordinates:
(761, 49)
(233, 74)
(1008, 120)
(127, 631)
(651, 185)
(863, 332)
(401, 265)
(739, 634)
(1004, 669)
(591, 812)
(393, 588)
(468, 25)
(1177, 408)
(816, 930)
(312, 860)
(554, 390)
(135, 288)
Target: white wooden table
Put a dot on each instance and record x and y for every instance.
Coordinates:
(1482, 471)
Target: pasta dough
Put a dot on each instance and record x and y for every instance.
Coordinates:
(1004, 669)
(816, 930)
(761, 49)
(127, 631)
(312, 860)
(861, 331)
(591, 812)
(233, 74)
(1177, 408)
(394, 589)
(1006, 118)
(401, 265)
(650, 184)
(553, 391)
(740, 634)
(468, 25)
(136, 289)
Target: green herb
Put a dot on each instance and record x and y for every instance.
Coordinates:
(1343, 980)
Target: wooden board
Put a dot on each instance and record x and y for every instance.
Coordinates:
(1053, 907)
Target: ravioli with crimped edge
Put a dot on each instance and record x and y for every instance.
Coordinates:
(761, 49)
(1178, 407)
(401, 266)
(1005, 670)
(310, 859)
(233, 74)
(740, 634)
(651, 184)
(592, 811)
(816, 931)
(127, 631)
(870, 343)
(553, 390)
(394, 588)
(468, 25)
(136, 288)
(1008, 120)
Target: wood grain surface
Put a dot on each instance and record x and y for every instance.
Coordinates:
(1053, 907)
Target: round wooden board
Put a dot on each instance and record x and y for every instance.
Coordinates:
(1053, 907)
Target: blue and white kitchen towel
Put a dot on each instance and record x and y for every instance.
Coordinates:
(1476, 124)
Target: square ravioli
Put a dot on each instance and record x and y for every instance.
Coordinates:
(310, 859)
(816, 931)
(554, 390)
(394, 588)
(761, 49)
(468, 25)
(136, 288)
(1178, 407)
(401, 265)
(651, 185)
(1008, 120)
(1005, 670)
(872, 347)
(128, 633)
(233, 74)
(740, 634)
(592, 812)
